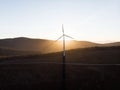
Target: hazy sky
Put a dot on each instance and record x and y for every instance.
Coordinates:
(92, 20)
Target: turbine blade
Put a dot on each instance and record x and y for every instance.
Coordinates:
(59, 38)
(62, 29)
(69, 36)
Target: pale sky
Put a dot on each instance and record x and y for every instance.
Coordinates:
(90, 20)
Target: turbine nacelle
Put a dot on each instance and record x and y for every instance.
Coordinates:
(64, 35)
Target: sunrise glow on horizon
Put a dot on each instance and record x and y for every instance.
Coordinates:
(84, 20)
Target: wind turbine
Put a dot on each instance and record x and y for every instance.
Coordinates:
(64, 58)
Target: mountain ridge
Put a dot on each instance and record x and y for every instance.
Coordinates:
(46, 46)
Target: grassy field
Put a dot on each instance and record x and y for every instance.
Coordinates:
(93, 69)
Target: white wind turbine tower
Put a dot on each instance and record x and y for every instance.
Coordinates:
(64, 58)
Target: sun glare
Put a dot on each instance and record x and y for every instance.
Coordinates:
(68, 43)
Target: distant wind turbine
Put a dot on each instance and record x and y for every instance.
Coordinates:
(64, 57)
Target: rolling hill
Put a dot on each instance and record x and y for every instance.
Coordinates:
(26, 46)
(94, 55)
(41, 45)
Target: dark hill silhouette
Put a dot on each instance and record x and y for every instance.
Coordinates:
(6, 52)
(41, 45)
(112, 44)
(45, 46)
(93, 55)
(23, 44)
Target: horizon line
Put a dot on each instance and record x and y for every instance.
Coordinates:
(99, 42)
